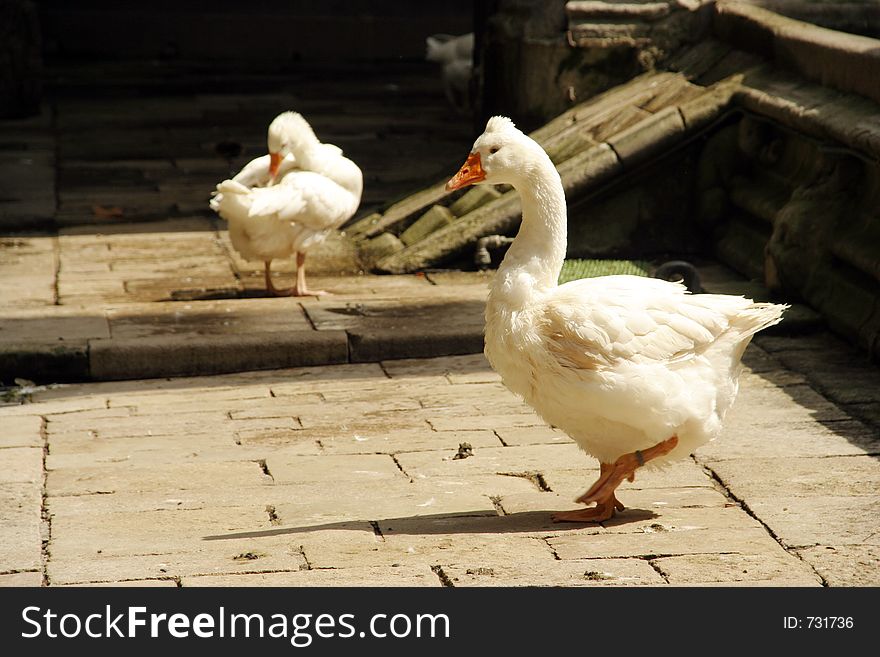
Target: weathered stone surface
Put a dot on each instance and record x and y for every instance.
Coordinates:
(830, 519)
(27, 290)
(695, 541)
(380, 246)
(20, 536)
(410, 542)
(355, 576)
(44, 362)
(370, 345)
(434, 219)
(173, 355)
(371, 226)
(473, 198)
(236, 556)
(21, 465)
(373, 440)
(641, 503)
(289, 469)
(496, 217)
(125, 424)
(845, 61)
(22, 431)
(636, 144)
(415, 313)
(26, 578)
(490, 461)
(805, 477)
(316, 506)
(532, 435)
(844, 565)
(779, 569)
(53, 404)
(458, 369)
(583, 572)
(580, 9)
(98, 480)
(457, 422)
(122, 480)
(90, 547)
(743, 437)
(50, 326)
(319, 379)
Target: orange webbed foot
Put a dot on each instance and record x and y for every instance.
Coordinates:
(603, 510)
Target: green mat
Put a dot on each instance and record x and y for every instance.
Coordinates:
(573, 270)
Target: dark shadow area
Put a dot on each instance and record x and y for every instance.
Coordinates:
(216, 294)
(842, 385)
(527, 521)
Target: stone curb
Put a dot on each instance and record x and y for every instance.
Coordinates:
(135, 358)
(113, 359)
(44, 362)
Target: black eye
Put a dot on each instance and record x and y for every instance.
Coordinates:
(493, 150)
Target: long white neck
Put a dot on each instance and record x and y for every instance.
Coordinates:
(532, 264)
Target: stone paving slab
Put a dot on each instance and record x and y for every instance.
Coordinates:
(847, 565)
(20, 538)
(24, 431)
(583, 572)
(725, 569)
(356, 474)
(832, 519)
(23, 578)
(358, 576)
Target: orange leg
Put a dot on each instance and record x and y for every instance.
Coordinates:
(611, 475)
(603, 510)
(274, 291)
(300, 289)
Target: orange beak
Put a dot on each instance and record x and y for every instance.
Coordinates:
(471, 172)
(274, 163)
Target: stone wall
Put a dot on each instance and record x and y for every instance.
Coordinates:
(542, 57)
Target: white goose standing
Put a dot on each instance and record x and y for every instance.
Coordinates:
(289, 200)
(632, 368)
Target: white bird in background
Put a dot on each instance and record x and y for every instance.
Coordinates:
(289, 200)
(456, 55)
(634, 369)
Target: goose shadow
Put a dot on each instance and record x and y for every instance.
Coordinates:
(487, 522)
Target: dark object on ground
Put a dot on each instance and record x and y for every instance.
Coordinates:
(680, 271)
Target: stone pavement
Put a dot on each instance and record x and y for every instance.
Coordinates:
(178, 300)
(428, 472)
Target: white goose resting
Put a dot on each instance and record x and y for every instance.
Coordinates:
(633, 368)
(290, 200)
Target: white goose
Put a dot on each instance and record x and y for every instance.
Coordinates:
(632, 368)
(456, 55)
(290, 200)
